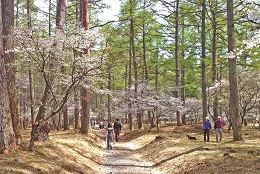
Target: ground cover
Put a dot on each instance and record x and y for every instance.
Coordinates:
(138, 151)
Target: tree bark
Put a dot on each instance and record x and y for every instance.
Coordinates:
(31, 82)
(203, 64)
(132, 58)
(235, 116)
(31, 96)
(61, 15)
(76, 111)
(132, 40)
(7, 141)
(214, 64)
(140, 120)
(8, 23)
(177, 67)
(108, 95)
(61, 27)
(183, 94)
(85, 93)
(39, 118)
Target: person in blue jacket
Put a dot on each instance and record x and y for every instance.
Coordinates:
(206, 129)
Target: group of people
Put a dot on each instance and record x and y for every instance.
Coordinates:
(112, 133)
(218, 127)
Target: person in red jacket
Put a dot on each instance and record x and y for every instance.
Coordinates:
(218, 126)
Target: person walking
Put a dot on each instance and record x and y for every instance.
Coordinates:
(206, 129)
(218, 126)
(102, 124)
(117, 128)
(109, 136)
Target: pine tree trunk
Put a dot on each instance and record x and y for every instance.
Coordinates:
(108, 96)
(6, 132)
(214, 64)
(140, 120)
(177, 67)
(8, 23)
(65, 116)
(132, 60)
(31, 96)
(61, 27)
(85, 93)
(183, 120)
(235, 116)
(203, 64)
(76, 111)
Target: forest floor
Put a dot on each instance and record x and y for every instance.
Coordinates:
(137, 152)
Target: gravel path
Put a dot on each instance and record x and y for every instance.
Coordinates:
(122, 160)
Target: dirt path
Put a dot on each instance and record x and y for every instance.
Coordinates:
(122, 160)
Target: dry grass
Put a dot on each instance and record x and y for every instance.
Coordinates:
(168, 150)
(172, 152)
(65, 152)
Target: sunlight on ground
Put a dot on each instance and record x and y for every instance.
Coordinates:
(167, 151)
(141, 141)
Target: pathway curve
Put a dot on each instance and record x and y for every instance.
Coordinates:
(122, 160)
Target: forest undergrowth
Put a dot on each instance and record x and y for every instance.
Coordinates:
(168, 151)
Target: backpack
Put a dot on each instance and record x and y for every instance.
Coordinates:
(109, 130)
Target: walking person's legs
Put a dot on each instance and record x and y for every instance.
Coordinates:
(109, 142)
(204, 133)
(220, 134)
(207, 135)
(216, 131)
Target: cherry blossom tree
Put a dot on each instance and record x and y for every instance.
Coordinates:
(46, 54)
(161, 105)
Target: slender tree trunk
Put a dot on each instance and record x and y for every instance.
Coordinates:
(183, 94)
(76, 112)
(49, 17)
(85, 110)
(126, 70)
(129, 89)
(151, 117)
(31, 96)
(31, 82)
(235, 116)
(146, 77)
(140, 120)
(203, 64)
(108, 96)
(40, 116)
(61, 27)
(85, 94)
(65, 116)
(214, 64)
(183, 83)
(177, 67)
(132, 40)
(157, 69)
(132, 58)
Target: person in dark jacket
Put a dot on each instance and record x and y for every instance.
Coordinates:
(206, 129)
(117, 129)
